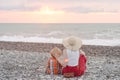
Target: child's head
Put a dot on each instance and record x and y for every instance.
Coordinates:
(56, 52)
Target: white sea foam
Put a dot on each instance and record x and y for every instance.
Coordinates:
(30, 39)
(104, 42)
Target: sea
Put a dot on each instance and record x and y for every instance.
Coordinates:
(106, 34)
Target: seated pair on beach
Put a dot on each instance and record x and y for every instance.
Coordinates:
(70, 62)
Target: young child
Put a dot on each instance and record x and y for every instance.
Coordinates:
(53, 66)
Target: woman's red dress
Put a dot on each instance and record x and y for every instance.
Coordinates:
(77, 70)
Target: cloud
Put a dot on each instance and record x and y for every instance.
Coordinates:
(18, 8)
(77, 6)
(18, 5)
(87, 10)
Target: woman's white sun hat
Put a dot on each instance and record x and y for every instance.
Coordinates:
(72, 43)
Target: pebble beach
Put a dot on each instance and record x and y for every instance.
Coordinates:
(27, 61)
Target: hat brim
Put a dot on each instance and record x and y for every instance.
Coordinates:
(78, 43)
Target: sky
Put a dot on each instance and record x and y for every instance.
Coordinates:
(59, 11)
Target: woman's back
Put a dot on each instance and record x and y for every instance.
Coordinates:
(73, 57)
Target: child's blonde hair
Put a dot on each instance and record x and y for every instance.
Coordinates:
(56, 52)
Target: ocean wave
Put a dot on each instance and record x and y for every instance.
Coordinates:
(55, 33)
(104, 42)
(108, 34)
(30, 39)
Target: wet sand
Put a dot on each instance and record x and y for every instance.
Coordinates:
(26, 61)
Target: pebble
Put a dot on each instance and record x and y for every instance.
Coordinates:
(23, 65)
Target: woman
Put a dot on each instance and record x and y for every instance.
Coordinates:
(73, 59)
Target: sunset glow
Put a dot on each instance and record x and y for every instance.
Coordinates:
(48, 11)
(74, 11)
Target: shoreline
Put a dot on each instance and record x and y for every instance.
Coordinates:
(46, 47)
